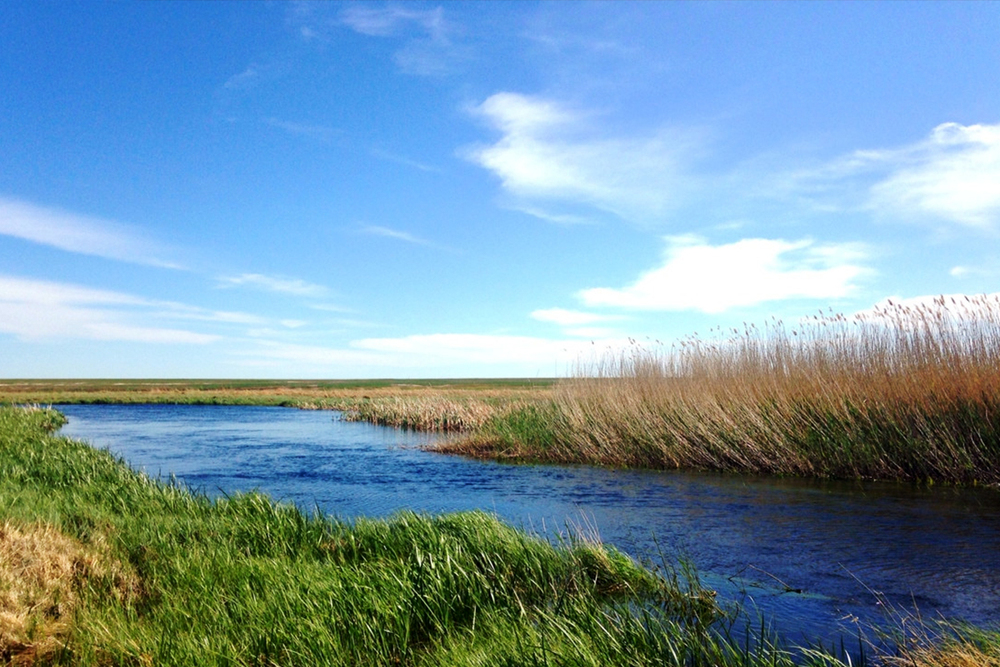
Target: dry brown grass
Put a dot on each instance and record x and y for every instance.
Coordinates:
(955, 654)
(902, 392)
(42, 575)
(439, 412)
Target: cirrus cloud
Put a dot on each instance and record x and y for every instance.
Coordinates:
(78, 233)
(279, 284)
(547, 152)
(37, 309)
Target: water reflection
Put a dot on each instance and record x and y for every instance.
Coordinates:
(807, 553)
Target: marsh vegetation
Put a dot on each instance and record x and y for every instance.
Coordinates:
(902, 392)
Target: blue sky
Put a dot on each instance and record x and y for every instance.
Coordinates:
(304, 190)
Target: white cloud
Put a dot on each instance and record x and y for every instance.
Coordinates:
(278, 284)
(77, 233)
(493, 350)
(964, 271)
(547, 153)
(445, 354)
(953, 175)
(712, 279)
(564, 317)
(36, 309)
(960, 271)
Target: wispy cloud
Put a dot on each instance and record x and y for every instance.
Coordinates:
(557, 218)
(36, 309)
(329, 308)
(391, 21)
(496, 350)
(308, 130)
(578, 323)
(403, 160)
(248, 78)
(566, 318)
(428, 49)
(951, 177)
(279, 284)
(386, 232)
(439, 354)
(712, 279)
(550, 152)
(78, 233)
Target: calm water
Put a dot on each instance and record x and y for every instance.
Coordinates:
(833, 543)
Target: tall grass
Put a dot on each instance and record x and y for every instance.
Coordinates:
(906, 392)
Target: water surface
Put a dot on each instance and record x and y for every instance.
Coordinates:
(811, 555)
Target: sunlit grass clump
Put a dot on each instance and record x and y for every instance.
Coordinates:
(906, 392)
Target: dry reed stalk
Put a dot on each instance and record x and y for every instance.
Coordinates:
(908, 392)
(429, 412)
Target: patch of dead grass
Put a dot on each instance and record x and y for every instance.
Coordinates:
(955, 654)
(42, 575)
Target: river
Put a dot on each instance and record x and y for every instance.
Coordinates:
(812, 556)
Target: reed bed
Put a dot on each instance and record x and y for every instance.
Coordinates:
(441, 412)
(903, 392)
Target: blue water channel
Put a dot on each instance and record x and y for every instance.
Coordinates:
(813, 557)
